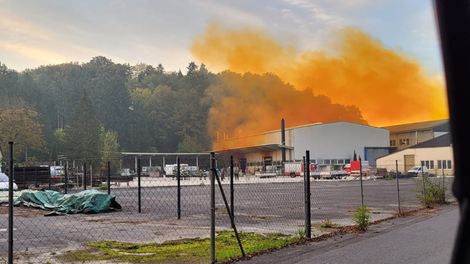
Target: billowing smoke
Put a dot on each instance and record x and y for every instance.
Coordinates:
(357, 73)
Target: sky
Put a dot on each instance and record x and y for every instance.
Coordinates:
(34, 33)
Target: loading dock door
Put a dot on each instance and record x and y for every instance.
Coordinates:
(409, 162)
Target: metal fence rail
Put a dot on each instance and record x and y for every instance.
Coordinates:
(160, 203)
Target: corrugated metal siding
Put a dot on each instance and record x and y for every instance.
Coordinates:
(338, 140)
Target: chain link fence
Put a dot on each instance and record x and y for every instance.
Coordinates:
(162, 199)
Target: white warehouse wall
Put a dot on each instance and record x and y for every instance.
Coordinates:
(338, 140)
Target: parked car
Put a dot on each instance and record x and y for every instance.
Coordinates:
(4, 184)
(416, 171)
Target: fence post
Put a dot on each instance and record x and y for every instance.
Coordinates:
(109, 176)
(10, 206)
(50, 177)
(424, 187)
(84, 176)
(362, 188)
(443, 185)
(35, 177)
(212, 235)
(178, 175)
(308, 223)
(398, 186)
(24, 177)
(66, 178)
(139, 201)
(231, 187)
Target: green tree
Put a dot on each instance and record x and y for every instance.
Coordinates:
(82, 134)
(111, 151)
(20, 124)
(192, 67)
(190, 145)
(57, 144)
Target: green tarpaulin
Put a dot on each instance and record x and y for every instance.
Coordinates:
(88, 202)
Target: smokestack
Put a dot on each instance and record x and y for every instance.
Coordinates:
(283, 140)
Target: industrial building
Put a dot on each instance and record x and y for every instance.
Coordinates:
(331, 144)
(436, 154)
(406, 135)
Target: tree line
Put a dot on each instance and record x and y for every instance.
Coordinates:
(100, 107)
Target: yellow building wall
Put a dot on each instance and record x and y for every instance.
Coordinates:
(413, 137)
(435, 154)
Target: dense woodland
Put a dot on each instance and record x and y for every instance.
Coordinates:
(100, 107)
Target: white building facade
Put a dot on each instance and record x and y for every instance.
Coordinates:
(329, 144)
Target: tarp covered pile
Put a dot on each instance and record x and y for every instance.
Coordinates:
(88, 202)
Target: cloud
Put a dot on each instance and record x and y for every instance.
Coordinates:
(38, 54)
(318, 13)
(232, 15)
(16, 29)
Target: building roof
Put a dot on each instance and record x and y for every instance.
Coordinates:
(418, 126)
(441, 141)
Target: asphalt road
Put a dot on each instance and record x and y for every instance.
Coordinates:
(424, 239)
(260, 206)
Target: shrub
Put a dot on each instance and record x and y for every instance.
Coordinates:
(301, 233)
(103, 187)
(361, 217)
(433, 193)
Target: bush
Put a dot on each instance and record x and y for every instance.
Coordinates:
(433, 193)
(361, 217)
(103, 187)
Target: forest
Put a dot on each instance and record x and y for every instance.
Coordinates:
(99, 108)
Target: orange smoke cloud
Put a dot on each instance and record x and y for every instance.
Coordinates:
(387, 87)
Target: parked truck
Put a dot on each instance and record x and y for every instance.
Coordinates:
(354, 168)
(294, 169)
(325, 172)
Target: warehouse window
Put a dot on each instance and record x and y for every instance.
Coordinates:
(347, 161)
(327, 162)
(404, 142)
(341, 161)
(444, 164)
(320, 161)
(428, 163)
(393, 143)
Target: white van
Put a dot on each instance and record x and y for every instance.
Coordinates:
(416, 171)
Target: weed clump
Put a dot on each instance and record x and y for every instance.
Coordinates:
(326, 223)
(361, 218)
(430, 193)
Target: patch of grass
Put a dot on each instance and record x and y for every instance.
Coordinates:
(361, 217)
(301, 233)
(326, 223)
(194, 250)
(388, 177)
(103, 187)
